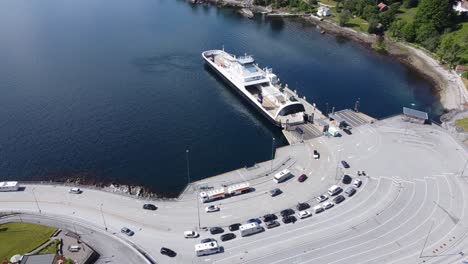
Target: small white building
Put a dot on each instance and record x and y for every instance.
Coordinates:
(461, 7)
(323, 11)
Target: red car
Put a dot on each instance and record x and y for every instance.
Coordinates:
(302, 178)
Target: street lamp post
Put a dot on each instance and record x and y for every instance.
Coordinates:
(103, 219)
(188, 165)
(37, 203)
(272, 154)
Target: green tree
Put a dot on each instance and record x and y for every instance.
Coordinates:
(410, 3)
(396, 29)
(408, 32)
(449, 49)
(373, 26)
(369, 12)
(349, 5)
(434, 12)
(465, 75)
(344, 17)
(425, 31)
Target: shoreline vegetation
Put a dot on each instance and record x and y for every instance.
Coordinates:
(450, 86)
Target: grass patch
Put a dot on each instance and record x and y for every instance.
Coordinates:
(462, 123)
(407, 15)
(21, 238)
(51, 248)
(461, 38)
(328, 2)
(465, 81)
(358, 24)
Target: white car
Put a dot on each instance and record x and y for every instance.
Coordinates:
(322, 198)
(327, 205)
(304, 214)
(75, 190)
(211, 208)
(357, 183)
(318, 209)
(190, 234)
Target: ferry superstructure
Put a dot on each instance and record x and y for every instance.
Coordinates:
(259, 86)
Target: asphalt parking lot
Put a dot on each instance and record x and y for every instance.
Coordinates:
(410, 208)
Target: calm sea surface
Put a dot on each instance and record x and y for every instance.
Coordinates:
(116, 90)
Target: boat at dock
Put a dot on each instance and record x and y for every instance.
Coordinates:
(260, 87)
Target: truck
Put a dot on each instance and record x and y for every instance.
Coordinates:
(282, 176)
(209, 248)
(9, 186)
(212, 195)
(250, 229)
(240, 188)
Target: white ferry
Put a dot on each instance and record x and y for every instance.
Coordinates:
(259, 86)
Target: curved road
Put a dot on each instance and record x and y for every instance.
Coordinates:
(411, 208)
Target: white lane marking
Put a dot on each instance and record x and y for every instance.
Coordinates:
(226, 216)
(328, 158)
(368, 231)
(240, 174)
(357, 144)
(407, 220)
(370, 148)
(374, 191)
(323, 178)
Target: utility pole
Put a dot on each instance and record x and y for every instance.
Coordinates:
(103, 219)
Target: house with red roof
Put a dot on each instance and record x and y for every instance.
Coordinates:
(382, 7)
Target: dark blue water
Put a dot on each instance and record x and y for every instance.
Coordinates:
(116, 90)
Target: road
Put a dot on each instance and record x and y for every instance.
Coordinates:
(411, 207)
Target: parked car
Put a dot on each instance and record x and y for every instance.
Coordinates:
(302, 178)
(327, 205)
(318, 209)
(75, 190)
(338, 199)
(316, 154)
(207, 240)
(350, 191)
(127, 231)
(227, 236)
(234, 227)
(150, 207)
(347, 131)
(322, 198)
(216, 230)
(272, 224)
(289, 219)
(254, 220)
(302, 206)
(269, 217)
(287, 212)
(347, 179)
(334, 190)
(275, 192)
(357, 183)
(345, 164)
(304, 214)
(212, 208)
(299, 130)
(168, 252)
(191, 234)
(343, 125)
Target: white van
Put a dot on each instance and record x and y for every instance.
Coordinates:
(250, 229)
(281, 176)
(75, 190)
(334, 190)
(207, 248)
(318, 209)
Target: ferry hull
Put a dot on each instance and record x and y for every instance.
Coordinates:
(234, 87)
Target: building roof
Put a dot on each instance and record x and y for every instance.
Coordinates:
(415, 113)
(8, 184)
(382, 5)
(461, 68)
(39, 259)
(461, 6)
